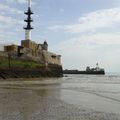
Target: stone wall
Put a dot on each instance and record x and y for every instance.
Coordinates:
(53, 71)
(39, 56)
(52, 58)
(3, 54)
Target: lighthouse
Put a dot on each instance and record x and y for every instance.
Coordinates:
(28, 28)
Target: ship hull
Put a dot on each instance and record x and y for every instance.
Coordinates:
(84, 72)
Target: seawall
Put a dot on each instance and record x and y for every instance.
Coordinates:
(50, 71)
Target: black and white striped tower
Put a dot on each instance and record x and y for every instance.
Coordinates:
(28, 28)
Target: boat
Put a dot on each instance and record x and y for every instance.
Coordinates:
(92, 71)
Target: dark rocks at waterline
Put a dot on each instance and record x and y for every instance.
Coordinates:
(51, 71)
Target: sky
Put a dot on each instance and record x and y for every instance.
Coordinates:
(84, 32)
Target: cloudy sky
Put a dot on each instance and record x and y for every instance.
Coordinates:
(82, 31)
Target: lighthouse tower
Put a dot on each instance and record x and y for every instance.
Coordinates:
(28, 28)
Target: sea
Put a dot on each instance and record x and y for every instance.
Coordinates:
(72, 97)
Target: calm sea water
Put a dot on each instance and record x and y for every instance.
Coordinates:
(75, 97)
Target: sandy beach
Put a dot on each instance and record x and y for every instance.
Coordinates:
(68, 98)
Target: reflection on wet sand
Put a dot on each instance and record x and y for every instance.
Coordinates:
(71, 98)
(23, 104)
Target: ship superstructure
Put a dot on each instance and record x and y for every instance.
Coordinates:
(93, 71)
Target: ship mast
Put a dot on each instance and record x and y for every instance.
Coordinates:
(28, 28)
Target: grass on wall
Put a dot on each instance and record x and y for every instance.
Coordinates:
(4, 63)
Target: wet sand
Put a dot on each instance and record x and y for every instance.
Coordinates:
(70, 98)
